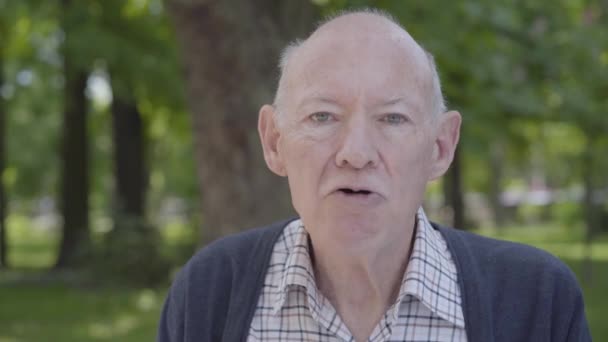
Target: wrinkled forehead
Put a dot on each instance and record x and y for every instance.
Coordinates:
(358, 53)
(364, 26)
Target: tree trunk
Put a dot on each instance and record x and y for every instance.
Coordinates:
(3, 235)
(129, 161)
(496, 161)
(74, 175)
(229, 52)
(452, 190)
(74, 198)
(589, 209)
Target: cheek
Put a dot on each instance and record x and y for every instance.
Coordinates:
(412, 163)
(305, 148)
(305, 161)
(303, 177)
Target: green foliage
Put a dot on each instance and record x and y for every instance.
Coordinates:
(30, 92)
(567, 213)
(127, 44)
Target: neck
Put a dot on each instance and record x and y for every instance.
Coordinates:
(362, 285)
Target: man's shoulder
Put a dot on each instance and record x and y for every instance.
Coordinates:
(222, 279)
(506, 260)
(517, 287)
(225, 264)
(237, 247)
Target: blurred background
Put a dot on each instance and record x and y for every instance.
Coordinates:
(127, 141)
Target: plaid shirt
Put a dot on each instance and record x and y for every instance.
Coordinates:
(291, 307)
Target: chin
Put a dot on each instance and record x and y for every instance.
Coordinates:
(352, 231)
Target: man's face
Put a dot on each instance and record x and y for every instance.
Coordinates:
(356, 139)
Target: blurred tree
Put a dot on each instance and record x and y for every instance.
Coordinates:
(7, 14)
(134, 57)
(18, 43)
(583, 48)
(3, 244)
(74, 196)
(229, 51)
(453, 192)
(497, 164)
(129, 161)
(138, 59)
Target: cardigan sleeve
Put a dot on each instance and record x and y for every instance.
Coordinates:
(578, 331)
(171, 324)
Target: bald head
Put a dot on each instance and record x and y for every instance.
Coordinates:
(359, 35)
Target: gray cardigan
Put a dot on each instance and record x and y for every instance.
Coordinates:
(510, 292)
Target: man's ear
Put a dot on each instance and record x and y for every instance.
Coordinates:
(445, 143)
(269, 136)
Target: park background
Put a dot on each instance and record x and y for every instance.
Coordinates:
(127, 141)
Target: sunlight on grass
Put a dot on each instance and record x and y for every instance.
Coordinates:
(57, 313)
(147, 300)
(177, 232)
(121, 325)
(31, 245)
(564, 242)
(9, 339)
(576, 251)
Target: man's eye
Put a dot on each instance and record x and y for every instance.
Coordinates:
(394, 119)
(320, 117)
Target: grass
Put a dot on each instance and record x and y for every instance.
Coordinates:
(37, 306)
(58, 313)
(561, 241)
(596, 299)
(30, 246)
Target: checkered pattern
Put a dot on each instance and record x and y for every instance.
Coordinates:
(428, 306)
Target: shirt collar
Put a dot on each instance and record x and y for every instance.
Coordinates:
(298, 272)
(430, 275)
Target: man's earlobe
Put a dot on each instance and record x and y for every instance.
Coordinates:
(269, 137)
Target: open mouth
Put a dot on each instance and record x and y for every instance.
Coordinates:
(353, 192)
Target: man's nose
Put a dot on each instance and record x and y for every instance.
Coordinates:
(357, 147)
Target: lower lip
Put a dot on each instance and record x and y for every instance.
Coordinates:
(358, 199)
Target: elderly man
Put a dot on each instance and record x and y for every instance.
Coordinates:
(359, 127)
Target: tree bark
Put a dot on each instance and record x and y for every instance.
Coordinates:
(75, 169)
(129, 160)
(496, 161)
(229, 52)
(3, 234)
(452, 190)
(74, 198)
